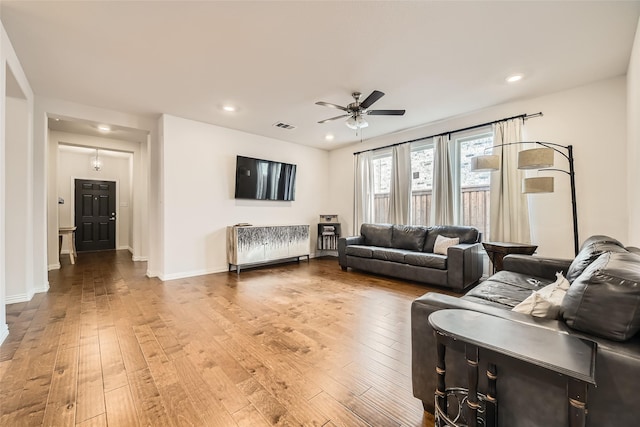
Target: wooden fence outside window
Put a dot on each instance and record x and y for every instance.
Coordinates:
(474, 207)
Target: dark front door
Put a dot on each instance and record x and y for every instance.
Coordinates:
(95, 215)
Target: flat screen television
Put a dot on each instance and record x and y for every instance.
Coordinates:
(264, 179)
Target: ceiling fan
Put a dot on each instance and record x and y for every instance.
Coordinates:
(356, 110)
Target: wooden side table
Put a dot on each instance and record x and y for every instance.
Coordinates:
(484, 336)
(70, 232)
(498, 250)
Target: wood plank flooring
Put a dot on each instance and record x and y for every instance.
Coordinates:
(287, 345)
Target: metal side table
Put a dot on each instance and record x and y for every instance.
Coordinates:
(484, 335)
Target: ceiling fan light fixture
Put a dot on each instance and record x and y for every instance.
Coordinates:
(356, 122)
(351, 123)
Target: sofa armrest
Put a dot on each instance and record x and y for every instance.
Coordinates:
(464, 265)
(536, 266)
(343, 242)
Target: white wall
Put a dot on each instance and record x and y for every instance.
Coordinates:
(198, 197)
(72, 166)
(633, 130)
(18, 275)
(13, 79)
(592, 118)
(64, 166)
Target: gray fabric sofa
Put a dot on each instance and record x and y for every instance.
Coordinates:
(601, 305)
(406, 252)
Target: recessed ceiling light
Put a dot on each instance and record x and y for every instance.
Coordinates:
(329, 137)
(229, 108)
(104, 128)
(514, 78)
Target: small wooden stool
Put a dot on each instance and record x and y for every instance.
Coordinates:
(70, 232)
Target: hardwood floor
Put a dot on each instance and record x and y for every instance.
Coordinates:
(294, 344)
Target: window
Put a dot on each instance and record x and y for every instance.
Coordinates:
(472, 188)
(421, 182)
(381, 186)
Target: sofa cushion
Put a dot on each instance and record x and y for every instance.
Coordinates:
(605, 299)
(359, 250)
(408, 237)
(590, 250)
(506, 289)
(377, 234)
(390, 254)
(465, 234)
(421, 259)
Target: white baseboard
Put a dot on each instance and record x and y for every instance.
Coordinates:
(186, 274)
(14, 299)
(139, 258)
(4, 332)
(53, 267)
(27, 296)
(43, 288)
(220, 269)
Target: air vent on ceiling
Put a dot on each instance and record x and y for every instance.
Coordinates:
(284, 125)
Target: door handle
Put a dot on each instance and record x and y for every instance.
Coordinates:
(113, 216)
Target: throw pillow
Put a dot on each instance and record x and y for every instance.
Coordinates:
(538, 306)
(443, 243)
(560, 286)
(547, 301)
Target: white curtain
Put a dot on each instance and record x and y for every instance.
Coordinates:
(442, 197)
(509, 220)
(363, 190)
(400, 189)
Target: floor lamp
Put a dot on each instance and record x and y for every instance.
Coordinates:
(540, 158)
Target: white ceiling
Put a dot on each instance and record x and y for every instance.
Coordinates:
(85, 127)
(274, 60)
(91, 152)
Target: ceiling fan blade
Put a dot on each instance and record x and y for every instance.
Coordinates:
(375, 95)
(385, 112)
(334, 118)
(328, 104)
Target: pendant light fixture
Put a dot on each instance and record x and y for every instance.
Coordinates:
(96, 163)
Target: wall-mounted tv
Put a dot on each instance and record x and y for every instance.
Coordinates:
(264, 179)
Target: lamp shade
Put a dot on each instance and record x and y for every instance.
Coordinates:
(536, 158)
(485, 163)
(537, 184)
